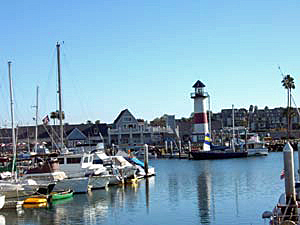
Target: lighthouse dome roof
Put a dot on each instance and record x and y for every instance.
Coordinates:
(198, 84)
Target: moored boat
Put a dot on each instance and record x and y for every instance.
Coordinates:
(35, 205)
(218, 154)
(61, 195)
(36, 199)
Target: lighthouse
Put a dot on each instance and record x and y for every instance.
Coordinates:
(200, 133)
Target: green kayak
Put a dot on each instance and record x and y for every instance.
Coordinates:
(61, 195)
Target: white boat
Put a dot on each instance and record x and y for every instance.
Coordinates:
(49, 172)
(15, 189)
(120, 169)
(126, 169)
(84, 165)
(254, 146)
(2, 201)
(257, 149)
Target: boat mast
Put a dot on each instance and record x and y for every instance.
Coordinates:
(36, 118)
(59, 97)
(12, 116)
(233, 147)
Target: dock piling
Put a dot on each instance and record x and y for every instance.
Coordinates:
(290, 191)
(146, 159)
(190, 149)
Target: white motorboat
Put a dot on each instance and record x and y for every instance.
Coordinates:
(254, 146)
(84, 165)
(49, 172)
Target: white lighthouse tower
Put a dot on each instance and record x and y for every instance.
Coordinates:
(200, 133)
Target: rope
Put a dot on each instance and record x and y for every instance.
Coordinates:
(51, 137)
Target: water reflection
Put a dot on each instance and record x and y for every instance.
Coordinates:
(183, 192)
(204, 191)
(173, 189)
(147, 195)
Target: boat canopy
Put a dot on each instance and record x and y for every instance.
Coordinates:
(136, 161)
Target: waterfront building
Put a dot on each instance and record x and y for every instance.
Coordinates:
(130, 133)
(258, 119)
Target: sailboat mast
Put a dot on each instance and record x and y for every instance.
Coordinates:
(233, 147)
(59, 97)
(36, 118)
(12, 116)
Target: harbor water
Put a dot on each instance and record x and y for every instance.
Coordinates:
(231, 191)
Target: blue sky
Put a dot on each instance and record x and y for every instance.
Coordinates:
(146, 55)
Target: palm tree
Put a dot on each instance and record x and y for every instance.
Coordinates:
(288, 83)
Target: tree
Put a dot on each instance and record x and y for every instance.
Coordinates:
(88, 122)
(158, 122)
(251, 109)
(55, 115)
(97, 122)
(288, 83)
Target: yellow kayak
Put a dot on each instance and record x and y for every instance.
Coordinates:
(36, 200)
(35, 205)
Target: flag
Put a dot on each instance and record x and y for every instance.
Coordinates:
(46, 120)
(282, 174)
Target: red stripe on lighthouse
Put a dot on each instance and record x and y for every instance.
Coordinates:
(200, 118)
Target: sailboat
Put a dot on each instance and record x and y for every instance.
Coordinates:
(50, 167)
(13, 188)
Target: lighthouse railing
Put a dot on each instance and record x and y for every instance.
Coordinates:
(196, 94)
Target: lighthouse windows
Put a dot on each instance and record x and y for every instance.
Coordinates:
(199, 90)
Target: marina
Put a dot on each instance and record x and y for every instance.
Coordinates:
(149, 113)
(232, 191)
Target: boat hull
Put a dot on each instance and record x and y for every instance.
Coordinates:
(2, 201)
(78, 185)
(97, 182)
(61, 195)
(217, 155)
(257, 152)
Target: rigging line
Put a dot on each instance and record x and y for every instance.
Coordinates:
(51, 137)
(4, 102)
(78, 94)
(293, 99)
(50, 86)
